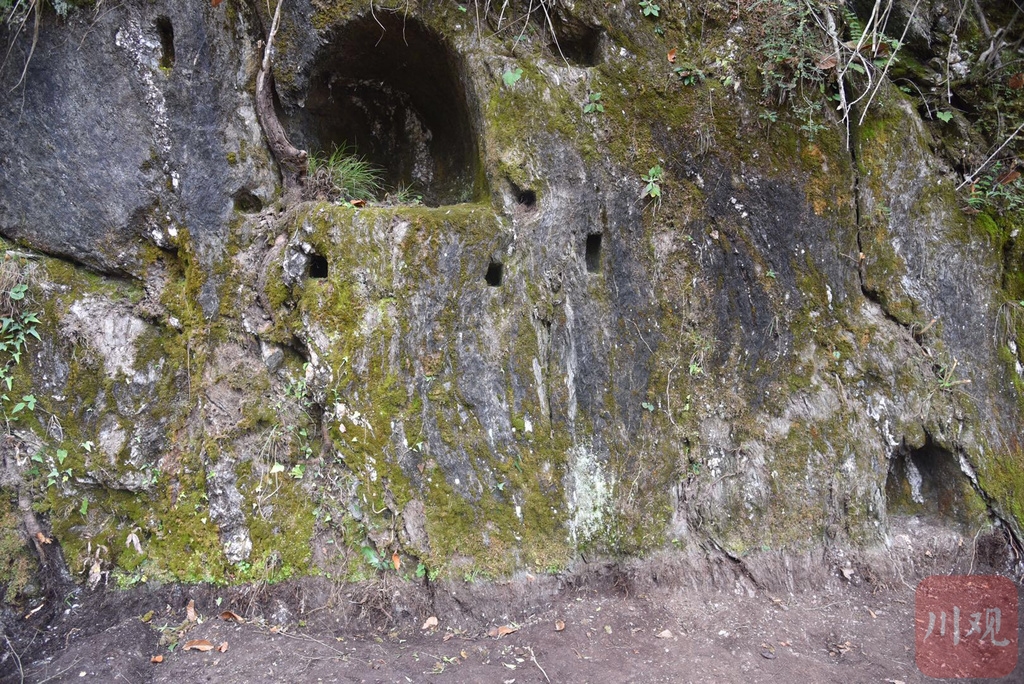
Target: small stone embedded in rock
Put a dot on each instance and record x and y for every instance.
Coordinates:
(664, 634)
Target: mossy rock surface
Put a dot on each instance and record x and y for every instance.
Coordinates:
(546, 355)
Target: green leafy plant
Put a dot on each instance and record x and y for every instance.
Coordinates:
(999, 189)
(650, 9)
(652, 189)
(512, 76)
(58, 474)
(594, 104)
(809, 112)
(374, 560)
(945, 117)
(945, 371)
(688, 73)
(16, 327)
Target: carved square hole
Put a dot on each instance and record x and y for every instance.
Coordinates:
(165, 30)
(593, 253)
(495, 272)
(317, 266)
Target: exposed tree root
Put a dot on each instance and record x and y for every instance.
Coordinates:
(291, 159)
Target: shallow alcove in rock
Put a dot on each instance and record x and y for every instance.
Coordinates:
(394, 92)
(247, 202)
(928, 481)
(572, 38)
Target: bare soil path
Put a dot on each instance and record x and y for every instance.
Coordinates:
(852, 634)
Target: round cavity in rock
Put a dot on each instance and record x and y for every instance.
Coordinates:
(247, 203)
(526, 198)
(398, 97)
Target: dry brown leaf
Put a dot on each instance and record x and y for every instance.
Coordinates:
(506, 629)
(223, 648)
(216, 2)
(396, 561)
(231, 615)
(197, 645)
(447, 636)
(492, 632)
(872, 614)
(157, 659)
(559, 625)
(43, 539)
(275, 629)
(672, 56)
(358, 203)
(430, 623)
(1016, 81)
(190, 611)
(1008, 177)
(664, 634)
(876, 49)
(827, 62)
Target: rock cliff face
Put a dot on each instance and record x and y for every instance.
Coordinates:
(647, 295)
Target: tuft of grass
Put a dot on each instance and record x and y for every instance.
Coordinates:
(403, 194)
(342, 175)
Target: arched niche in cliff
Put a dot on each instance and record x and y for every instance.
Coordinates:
(397, 97)
(927, 481)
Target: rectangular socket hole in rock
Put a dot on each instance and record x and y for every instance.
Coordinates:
(495, 271)
(166, 33)
(593, 254)
(317, 266)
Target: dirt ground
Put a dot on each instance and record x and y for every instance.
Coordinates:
(603, 623)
